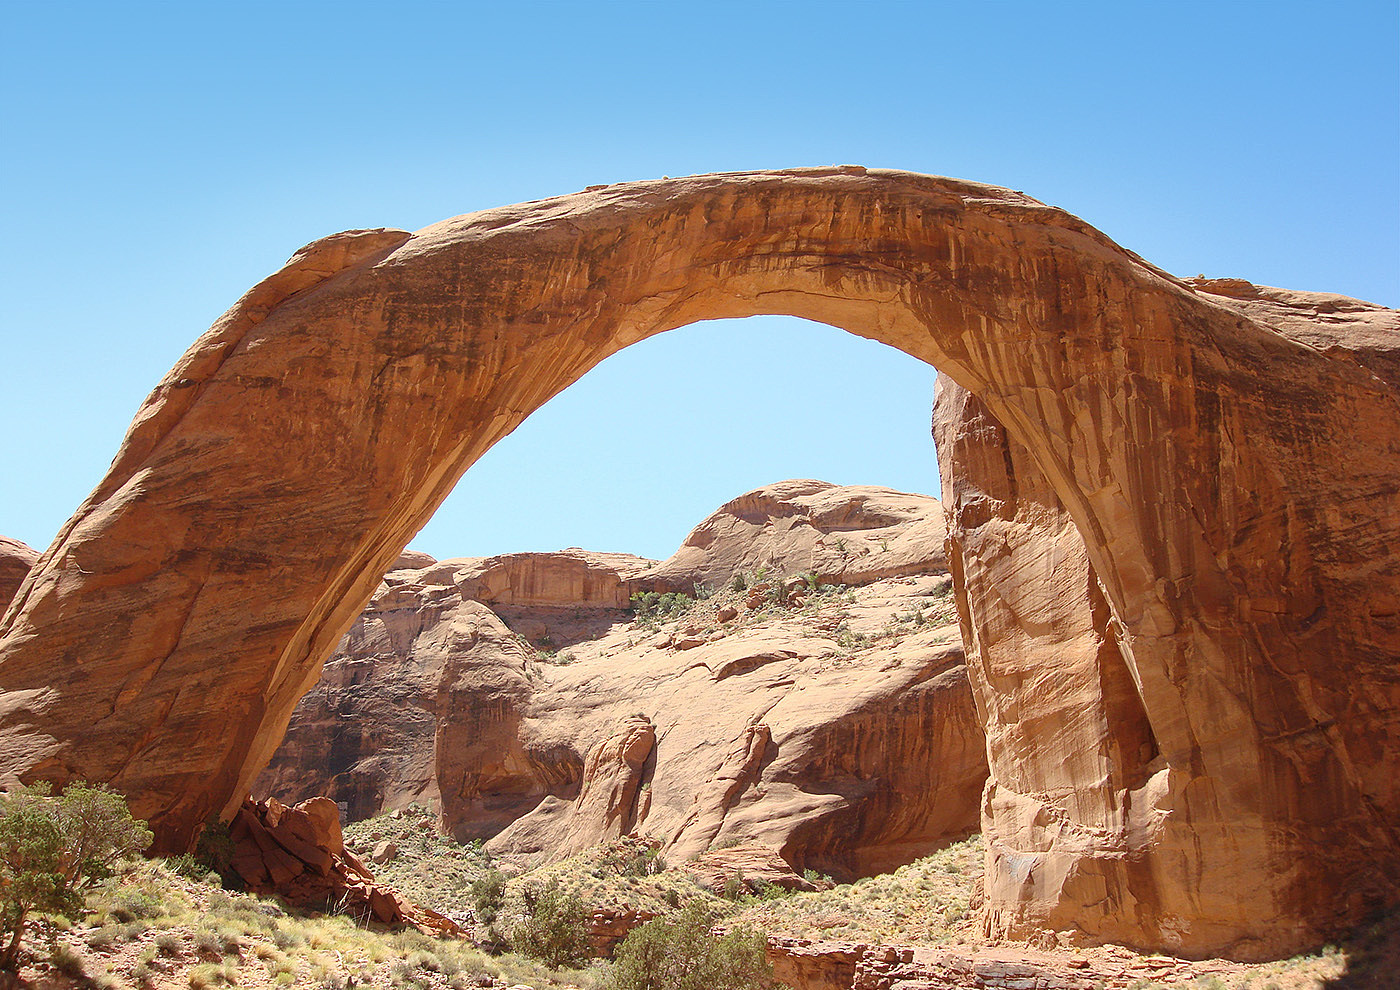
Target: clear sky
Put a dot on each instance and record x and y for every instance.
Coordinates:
(160, 158)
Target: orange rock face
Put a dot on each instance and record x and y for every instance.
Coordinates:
(1075, 806)
(1091, 819)
(1228, 454)
(16, 559)
(364, 735)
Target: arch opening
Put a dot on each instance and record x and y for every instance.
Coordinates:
(652, 439)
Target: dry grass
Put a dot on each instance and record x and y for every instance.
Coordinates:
(928, 902)
(191, 934)
(608, 876)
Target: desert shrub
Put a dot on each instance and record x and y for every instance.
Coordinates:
(488, 894)
(101, 939)
(53, 848)
(645, 863)
(553, 931)
(213, 852)
(127, 904)
(677, 952)
(652, 608)
(207, 975)
(216, 940)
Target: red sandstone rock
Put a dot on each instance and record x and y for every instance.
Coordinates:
(849, 764)
(1077, 804)
(1227, 453)
(752, 866)
(573, 577)
(844, 535)
(514, 736)
(15, 561)
(298, 854)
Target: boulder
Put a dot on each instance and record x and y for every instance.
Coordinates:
(297, 853)
(752, 866)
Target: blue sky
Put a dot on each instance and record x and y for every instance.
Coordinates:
(162, 158)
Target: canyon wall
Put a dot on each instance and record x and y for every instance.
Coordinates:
(550, 726)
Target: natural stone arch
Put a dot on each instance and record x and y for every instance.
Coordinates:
(163, 639)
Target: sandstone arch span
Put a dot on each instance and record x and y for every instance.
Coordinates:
(1228, 455)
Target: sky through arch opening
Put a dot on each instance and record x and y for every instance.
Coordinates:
(653, 439)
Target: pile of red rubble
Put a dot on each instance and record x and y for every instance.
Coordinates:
(299, 854)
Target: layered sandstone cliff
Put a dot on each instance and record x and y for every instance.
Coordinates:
(848, 748)
(364, 734)
(1074, 815)
(840, 733)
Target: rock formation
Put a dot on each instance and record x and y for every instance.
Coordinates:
(700, 732)
(299, 854)
(1075, 811)
(1090, 821)
(844, 535)
(846, 760)
(364, 734)
(1228, 454)
(16, 559)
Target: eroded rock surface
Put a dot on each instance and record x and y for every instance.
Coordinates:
(837, 728)
(16, 559)
(847, 748)
(843, 534)
(1227, 452)
(1090, 821)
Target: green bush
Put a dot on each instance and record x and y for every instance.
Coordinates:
(214, 852)
(52, 848)
(652, 608)
(554, 931)
(488, 894)
(678, 952)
